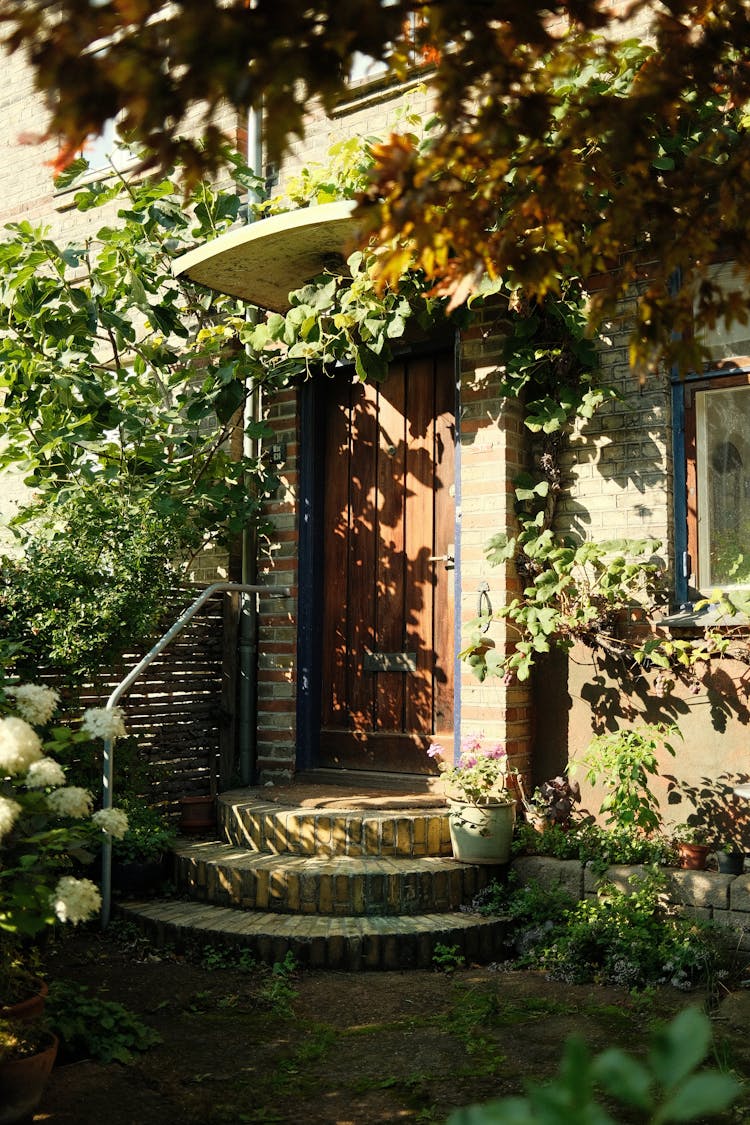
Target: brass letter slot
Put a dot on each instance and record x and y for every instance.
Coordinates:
(390, 662)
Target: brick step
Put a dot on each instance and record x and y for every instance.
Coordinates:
(343, 885)
(320, 941)
(265, 826)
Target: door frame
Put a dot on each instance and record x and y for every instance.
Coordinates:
(310, 516)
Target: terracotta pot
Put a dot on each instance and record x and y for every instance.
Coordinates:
(30, 1008)
(481, 833)
(197, 814)
(22, 1083)
(693, 856)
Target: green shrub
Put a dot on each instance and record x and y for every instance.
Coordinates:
(148, 837)
(92, 579)
(628, 938)
(90, 1028)
(592, 844)
(528, 904)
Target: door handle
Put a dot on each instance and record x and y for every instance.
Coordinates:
(449, 558)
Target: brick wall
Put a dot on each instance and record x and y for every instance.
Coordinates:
(618, 468)
(374, 110)
(494, 449)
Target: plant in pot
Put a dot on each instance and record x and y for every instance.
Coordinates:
(692, 845)
(482, 811)
(27, 1054)
(139, 857)
(22, 990)
(553, 802)
(730, 858)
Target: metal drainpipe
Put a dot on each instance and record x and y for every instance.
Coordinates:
(248, 625)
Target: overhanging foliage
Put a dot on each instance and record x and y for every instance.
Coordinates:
(558, 155)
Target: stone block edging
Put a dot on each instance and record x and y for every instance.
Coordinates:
(724, 899)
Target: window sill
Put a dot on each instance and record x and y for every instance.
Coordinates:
(711, 617)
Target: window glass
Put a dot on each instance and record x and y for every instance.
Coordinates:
(106, 151)
(364, 67)
(722, 437)
(724, 341)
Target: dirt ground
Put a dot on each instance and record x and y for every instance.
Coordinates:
(340, 1049)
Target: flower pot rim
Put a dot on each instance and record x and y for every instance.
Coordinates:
(480, 804)
(28, 1006)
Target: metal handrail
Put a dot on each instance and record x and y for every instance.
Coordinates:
(129, 680)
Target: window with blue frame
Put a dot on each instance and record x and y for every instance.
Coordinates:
(712, 463)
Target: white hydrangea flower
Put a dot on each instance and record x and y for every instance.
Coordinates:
(75, 900)
(101, 722)
(45, 774)
(112, 821)
(35, 704)
(20, 745)
(71, 801)
(9, 813)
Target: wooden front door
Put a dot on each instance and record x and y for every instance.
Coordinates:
(388, 529)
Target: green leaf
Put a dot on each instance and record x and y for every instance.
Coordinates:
(679, 1047)
(701, 1096)
(368, 365)
(624, 1078)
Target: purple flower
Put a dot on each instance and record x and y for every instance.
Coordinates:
(435, 750)
(496, 752)
(471, 743)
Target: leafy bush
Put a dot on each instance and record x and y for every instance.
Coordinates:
(623, 938)
(528, 904)
(623, 761)
(629, 939)
(90, 1028)
(592, 844)
(148, 837)
(92, 579)
(553, 840)
(603, 847)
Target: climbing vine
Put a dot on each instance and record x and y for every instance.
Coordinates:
(575, 590)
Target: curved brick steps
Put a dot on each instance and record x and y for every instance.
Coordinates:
(229, 876)
(322, 942)
(342, 883)
(265, 826)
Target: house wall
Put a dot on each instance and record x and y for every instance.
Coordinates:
(619, 474)
(619, 477)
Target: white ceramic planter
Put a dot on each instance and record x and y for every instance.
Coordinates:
(481, 833)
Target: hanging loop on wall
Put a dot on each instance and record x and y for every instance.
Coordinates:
(484, 605)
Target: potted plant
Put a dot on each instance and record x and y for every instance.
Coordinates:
(551, 803)
(692, 845)
(27, 1055)
(22, 990)
(139, 857)
(730, 858)
(482, 811)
